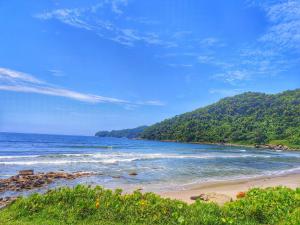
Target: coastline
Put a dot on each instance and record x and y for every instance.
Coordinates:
(224, 191)
(263, 146)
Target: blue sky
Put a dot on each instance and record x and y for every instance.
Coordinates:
(76, 67)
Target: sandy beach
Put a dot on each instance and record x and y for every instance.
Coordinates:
(222, 191)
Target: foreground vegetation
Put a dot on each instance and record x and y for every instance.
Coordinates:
(85, 205)
(249, 118)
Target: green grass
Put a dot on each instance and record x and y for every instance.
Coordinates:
(86, 205)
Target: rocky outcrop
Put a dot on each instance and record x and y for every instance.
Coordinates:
(273, 147)
(27, 180)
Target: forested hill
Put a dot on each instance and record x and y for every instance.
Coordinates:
(128, 133)
(249, 118)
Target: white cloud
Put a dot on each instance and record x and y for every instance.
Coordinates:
(60, 92)
(269, 55)
(117, 4)
(205, 59)
(233, 76)
(285, 24)
(211, 42)
(178, 65)
(11, 80)
(11, 75)
(68, 16)
(87, 19)
(57, 73)
(152, 102)
(226, 92)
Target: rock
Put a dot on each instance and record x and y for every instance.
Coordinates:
(133, 174)
(273, 147)
(6, 201)
(27, 180)
(213, 197)
(26, 172)
(202, 197)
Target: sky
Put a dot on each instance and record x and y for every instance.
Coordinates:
(79, 66)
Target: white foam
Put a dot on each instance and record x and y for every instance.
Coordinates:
(120, 157)
(18, 156)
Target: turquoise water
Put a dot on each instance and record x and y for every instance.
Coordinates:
(160, 166)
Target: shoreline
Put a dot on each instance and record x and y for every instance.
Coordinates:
(262, 146)
(219, 192)
(224, 191)
(267, 146)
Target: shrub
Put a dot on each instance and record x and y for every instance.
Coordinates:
(86, 205)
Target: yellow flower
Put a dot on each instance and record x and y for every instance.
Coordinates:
(143, 203)
(97, 204)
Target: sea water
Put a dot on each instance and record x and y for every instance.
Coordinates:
(160, 166)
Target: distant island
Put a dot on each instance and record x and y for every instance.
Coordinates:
(247, 119)
(125, 133)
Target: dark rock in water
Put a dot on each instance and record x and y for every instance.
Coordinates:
(133, 174)
(273, 147)
(26, 172)
(27, 180)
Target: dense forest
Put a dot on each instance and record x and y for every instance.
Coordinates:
(249, 118)
(127, 133)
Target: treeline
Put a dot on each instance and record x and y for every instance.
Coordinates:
(249, 118)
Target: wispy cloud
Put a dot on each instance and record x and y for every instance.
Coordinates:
(233, 76)
(211, 42)
(186, 50)
(68, 16)
(12, 76)
(269, 55)
(22, 82)
(61, 92)
(284, 31)
(116, 5)
(11, 80)
(226, 92)
(180, 65)
(151, 102)
(106, 28)
(57, 73)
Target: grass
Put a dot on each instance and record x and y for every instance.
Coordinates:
(86, 205)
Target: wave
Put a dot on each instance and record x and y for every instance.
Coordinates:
(18, 156)
(88, 146)
(106, 161)
(283, 172)
(113, 158)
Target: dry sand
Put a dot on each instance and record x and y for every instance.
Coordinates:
(222, 191)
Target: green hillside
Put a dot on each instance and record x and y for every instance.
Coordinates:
(249, 118)
(127, 133)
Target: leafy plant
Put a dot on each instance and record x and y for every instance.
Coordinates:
(86, 205)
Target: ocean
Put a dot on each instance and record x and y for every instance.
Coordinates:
(160, 166)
